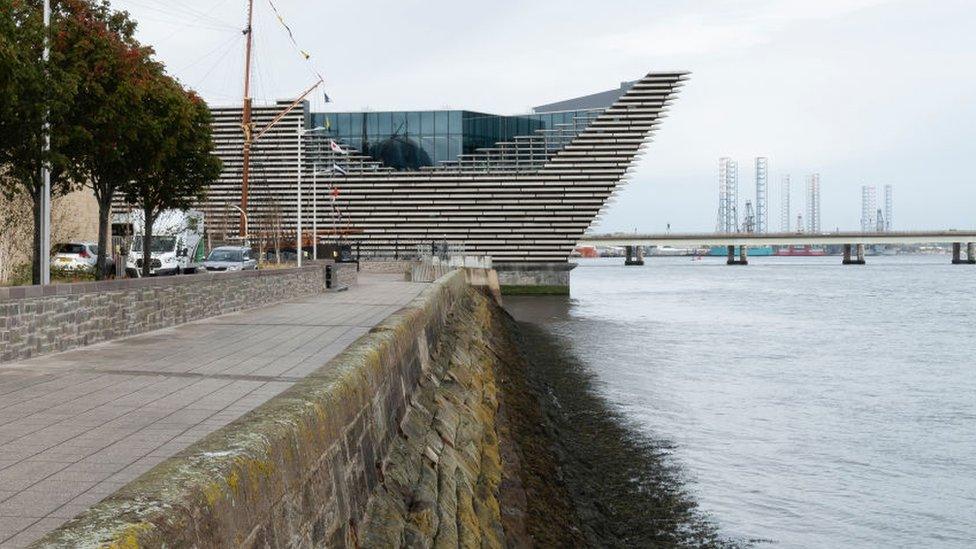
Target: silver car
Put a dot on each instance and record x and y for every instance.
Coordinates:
(231, 258)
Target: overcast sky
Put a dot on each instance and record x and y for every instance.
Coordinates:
(861, 91)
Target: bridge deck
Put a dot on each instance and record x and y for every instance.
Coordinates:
(77, 426)
(781, 239)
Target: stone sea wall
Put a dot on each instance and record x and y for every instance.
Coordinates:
(300, 470)
(36, 320)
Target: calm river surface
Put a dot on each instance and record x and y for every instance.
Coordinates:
(809, 404)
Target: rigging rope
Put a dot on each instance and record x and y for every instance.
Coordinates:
(305, 55)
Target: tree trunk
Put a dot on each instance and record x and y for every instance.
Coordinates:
(104, 209)
(149, 217)
(36, 252)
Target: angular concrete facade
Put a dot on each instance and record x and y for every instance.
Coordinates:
(524, 201)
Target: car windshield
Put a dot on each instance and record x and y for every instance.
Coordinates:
(225, 255)
(158, 244)
(69, 248)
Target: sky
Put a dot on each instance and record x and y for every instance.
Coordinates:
(863, 92)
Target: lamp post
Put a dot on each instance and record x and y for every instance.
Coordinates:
(45, 251)
(298, 236)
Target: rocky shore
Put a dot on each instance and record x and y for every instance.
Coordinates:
(506, 444)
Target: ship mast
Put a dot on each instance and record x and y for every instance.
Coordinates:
(246, 122)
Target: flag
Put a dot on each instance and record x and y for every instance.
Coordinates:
(339, 169)
(327, 98)
(336, 148)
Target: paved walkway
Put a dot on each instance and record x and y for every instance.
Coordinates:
(77, 426)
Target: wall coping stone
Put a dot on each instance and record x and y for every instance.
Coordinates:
(12, 293)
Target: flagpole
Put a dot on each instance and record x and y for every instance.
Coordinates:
(298, 235)
(315, 211)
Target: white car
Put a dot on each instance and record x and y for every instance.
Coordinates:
(231, 258)
(73, 256)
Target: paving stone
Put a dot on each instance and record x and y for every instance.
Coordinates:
(76, 426)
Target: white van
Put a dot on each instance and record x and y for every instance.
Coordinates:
(178, 244)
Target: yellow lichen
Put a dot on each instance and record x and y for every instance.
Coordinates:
(129, 538)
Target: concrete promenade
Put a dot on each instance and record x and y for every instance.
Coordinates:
(77, 426)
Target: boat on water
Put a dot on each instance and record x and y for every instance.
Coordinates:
(669, 251)
(754, 251)
(801, 251)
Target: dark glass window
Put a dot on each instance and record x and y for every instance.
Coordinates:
(400, 123)
(426, 123)
(355, 125)
(440, 123)
(385, 126)
(454, 122)
(413, 123)
(454, 147)
(372, 124)
(441, 148)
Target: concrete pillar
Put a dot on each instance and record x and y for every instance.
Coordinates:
(742, 259)
(957, 254)
(855, 260)
(634, 257)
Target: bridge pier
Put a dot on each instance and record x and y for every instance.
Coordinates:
(743, 256)
(957, 254)
(848, 259)
(635, 255)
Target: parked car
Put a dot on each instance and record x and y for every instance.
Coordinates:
(75, 256)
(231, 258)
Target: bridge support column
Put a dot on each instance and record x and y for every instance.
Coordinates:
(848, 259)
(635, 255)
(743, 256)
(957, 254)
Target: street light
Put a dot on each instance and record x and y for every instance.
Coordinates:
(298, 236)
(45, 227)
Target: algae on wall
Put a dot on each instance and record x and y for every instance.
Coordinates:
(442, 481)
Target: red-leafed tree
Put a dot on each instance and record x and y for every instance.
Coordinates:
(101, 130)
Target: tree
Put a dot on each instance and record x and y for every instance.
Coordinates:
(33, 92)
(176, 146)
(113, 71)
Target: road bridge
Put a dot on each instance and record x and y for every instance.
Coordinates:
(853, 242)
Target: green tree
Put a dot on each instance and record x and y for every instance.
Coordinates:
(176, 145)
(32, 93)
(113, 72)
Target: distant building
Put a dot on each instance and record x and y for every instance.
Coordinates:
(728, 196)
(785, 213)
(813, 204)
(888, 208)
(762, 212)
(521, 188)
(869, 205)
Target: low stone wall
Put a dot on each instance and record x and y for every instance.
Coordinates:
(36, 320)
(534, 278)
(388, 267)
(346, 275)
(296, 472)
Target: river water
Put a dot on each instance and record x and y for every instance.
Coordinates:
(808, 404)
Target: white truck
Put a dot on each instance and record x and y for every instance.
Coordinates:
(177, 246)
